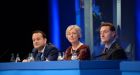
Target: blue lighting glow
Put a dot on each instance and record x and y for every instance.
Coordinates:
(77, 9)
(138, 29)
(55, 23)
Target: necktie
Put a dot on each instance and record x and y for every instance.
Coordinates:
(39, 56)
(105, 50)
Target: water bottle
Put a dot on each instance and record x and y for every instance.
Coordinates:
(63, 54)
(60, 56)
(12, 58)
(30, 57)
(17, 58)
(74, 56)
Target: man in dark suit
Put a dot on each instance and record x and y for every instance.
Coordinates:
(42, 50)
(112, 50)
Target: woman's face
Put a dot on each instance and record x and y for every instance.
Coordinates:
(72, 36)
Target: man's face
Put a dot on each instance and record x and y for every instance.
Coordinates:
(38, 40)
(106, 35)
(73, 36)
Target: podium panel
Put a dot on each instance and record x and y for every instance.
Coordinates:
(130, 67)
(61, 68)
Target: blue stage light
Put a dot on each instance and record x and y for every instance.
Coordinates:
(138, 29)
(55, 23)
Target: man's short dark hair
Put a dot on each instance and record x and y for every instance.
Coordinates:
(39, 31)
(112, 28)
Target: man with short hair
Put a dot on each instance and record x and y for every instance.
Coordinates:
(42, 50)
(112, 50)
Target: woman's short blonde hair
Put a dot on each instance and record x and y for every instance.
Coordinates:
(76, 27)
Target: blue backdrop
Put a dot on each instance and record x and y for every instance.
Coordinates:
(66, 12)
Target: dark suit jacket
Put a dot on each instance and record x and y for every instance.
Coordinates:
(50, 52)
(116, 52)
(83, 53)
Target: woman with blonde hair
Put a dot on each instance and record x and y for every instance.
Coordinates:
(82, 52)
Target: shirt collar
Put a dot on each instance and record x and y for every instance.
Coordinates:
(108, 46)
(42, 51)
